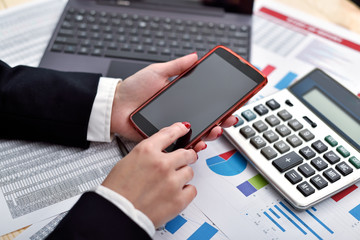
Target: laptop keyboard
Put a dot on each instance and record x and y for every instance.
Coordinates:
(137, 37)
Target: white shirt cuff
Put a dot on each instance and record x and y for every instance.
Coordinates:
(128, 208)
(100, 117)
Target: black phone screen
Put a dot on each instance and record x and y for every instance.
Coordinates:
(200, 97)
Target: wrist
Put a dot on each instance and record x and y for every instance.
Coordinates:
(115, 121)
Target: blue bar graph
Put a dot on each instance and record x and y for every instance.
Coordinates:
(275, 222)
(292, 221)
(355, 212)
(301, 221)
(174, 225)
(204, 232)
(285, 81)
(273, 212)
(319, 221)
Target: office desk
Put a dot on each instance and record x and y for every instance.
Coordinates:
(341, 12)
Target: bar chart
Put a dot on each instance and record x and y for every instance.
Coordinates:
(190, 224)
(252, 185)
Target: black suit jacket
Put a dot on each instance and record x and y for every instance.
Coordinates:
(52, 106)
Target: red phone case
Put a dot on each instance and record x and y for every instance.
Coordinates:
(221, 118)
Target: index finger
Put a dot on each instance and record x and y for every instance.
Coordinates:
(166, 136)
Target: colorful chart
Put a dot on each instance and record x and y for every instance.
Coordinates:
(337, 197)
(252, 185)
(227, 164)
(355, 212)
(204, 232)
(282, 211)
(268, 69)
(286, 80)
(175, 224)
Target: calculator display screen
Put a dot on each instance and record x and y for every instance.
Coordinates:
(334, 113)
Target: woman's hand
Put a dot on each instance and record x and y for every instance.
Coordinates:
(136, 89)
(154, 181)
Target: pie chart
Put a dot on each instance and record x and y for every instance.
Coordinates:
(229, 163)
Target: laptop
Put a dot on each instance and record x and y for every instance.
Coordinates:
(117, 38)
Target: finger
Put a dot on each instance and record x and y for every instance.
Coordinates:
(185, 174)
(230, 121)
(200, 146)
(177, 66)
(166, 136)
(188, 194)
(183, 157)
(214, 133)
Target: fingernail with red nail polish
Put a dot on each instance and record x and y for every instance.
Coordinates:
(237, 120)
(204, 147)
(187, 125)
(220, 133)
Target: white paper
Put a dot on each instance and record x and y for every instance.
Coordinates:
(243, 216)
(294, 51)
(25, 31)
(298, 50)
(39, 180)
(41, 230)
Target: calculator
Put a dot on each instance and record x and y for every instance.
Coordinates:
(305, 140)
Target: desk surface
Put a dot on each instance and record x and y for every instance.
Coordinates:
(341, 12)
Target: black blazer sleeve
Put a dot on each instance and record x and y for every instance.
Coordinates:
(94, 217)
(46, 105)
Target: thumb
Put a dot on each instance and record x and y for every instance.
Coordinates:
(177, 66)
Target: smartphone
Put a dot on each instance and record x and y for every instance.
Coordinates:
(204, 95)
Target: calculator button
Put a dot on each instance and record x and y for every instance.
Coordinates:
(306, 170)
(305, 189)
(268, 152)
(281, 146)
(283, 130)
(344, 169)
(345, 153)
(248, 115)
(272, 120)
(247, 132)
(294, 140)
(330, 140)
(306, 135)
(287, 161)
(284, 115)
(295, 124)
(293, 176)
(307, 153)
(355, 162)
(289, 103)
(260, 126)
(270, 136)
(257, 142)
(319, 182)
(331, 175)
(261, 109)
(331, 157)
(240, 121)
(272, 104)
(319, 146)
(319, 164)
